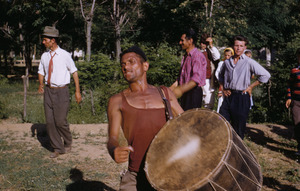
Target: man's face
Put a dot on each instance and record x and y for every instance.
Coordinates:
(132, 67)
(239, 47)
(48, 43)
(185, 43)
(202, 46)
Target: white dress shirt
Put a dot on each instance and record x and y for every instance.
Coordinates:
(63, 67)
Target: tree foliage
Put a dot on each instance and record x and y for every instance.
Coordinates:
(156, 25)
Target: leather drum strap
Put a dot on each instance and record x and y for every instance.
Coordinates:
(169, 114)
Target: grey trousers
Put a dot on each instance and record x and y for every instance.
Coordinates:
(296, 118)
(132, 181)
(56, 105)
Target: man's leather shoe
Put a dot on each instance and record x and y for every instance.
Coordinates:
(54, 154)
(68, 149)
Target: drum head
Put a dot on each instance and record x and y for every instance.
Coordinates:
(187, 150)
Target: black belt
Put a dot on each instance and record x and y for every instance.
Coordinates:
(238, 92)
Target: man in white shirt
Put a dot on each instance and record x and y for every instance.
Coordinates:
(212, 55)
(56, 67)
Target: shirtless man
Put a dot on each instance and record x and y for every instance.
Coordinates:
(140, 111)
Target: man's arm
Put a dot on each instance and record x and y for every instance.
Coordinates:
(250, 88)
(180, 90)
(176, 108)
(119, 154)
(174, 85)
(289, 93)
(77, 91)
(214, 51)
(225, 92)
(41, 86)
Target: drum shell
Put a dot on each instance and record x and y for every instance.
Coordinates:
(199, 150)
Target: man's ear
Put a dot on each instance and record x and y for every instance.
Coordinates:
(191, 40)
(146, 66)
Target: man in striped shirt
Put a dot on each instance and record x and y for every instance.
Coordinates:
(293, 98)
(192, 73)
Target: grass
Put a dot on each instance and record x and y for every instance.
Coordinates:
(12, 105)
(23, 168)
(24, 165)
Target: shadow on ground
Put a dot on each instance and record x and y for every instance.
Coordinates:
(79, 184)
(259, 137)
(275, 184)
(40, 131)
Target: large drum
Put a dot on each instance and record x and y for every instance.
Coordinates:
(199, 150)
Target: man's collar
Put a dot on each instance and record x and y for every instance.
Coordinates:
(192, 51)
(57, 50)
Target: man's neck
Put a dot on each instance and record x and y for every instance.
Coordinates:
(54, 47)
(236, 58)
(189, 49)
(140, 85)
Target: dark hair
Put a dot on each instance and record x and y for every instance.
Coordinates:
(136, 50)
(51, 37)
(203, 38)
(240, 38)
(190, 33)
(298, 52)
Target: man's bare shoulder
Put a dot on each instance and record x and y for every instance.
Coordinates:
(116, 98)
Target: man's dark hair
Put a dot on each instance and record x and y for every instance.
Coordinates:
(191, 33)
(50, 37)
(298, 52)
(136, 50)
(203, 38)
(240, 38)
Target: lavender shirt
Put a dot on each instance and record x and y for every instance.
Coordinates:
(193, 67)
(238, 76)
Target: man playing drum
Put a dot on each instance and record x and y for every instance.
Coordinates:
(140, 111)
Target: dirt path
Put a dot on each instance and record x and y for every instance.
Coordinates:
(89, 141)
(82, 134)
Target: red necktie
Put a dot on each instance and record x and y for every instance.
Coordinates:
(50, 68)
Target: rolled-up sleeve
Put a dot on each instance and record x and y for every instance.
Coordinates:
(41, 69)
(262, 74)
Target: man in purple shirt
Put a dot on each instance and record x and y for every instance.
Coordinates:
(192, 73)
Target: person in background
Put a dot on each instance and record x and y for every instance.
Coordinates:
(56, 67)
(212, 56)
(192, 73)
(248, 53)
(235, 82)
(293, 99)
(140, 112)
(228, 52)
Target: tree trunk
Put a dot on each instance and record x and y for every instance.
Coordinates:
(268, 57)
(92, 102)
(5, 61)
(118, 43)
(25, 97)
(88, 39)
(28, 62)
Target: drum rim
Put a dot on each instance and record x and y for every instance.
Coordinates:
(218, 166)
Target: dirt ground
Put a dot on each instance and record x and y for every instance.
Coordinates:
(268, 136)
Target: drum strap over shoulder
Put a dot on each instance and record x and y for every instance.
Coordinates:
(169, 114)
